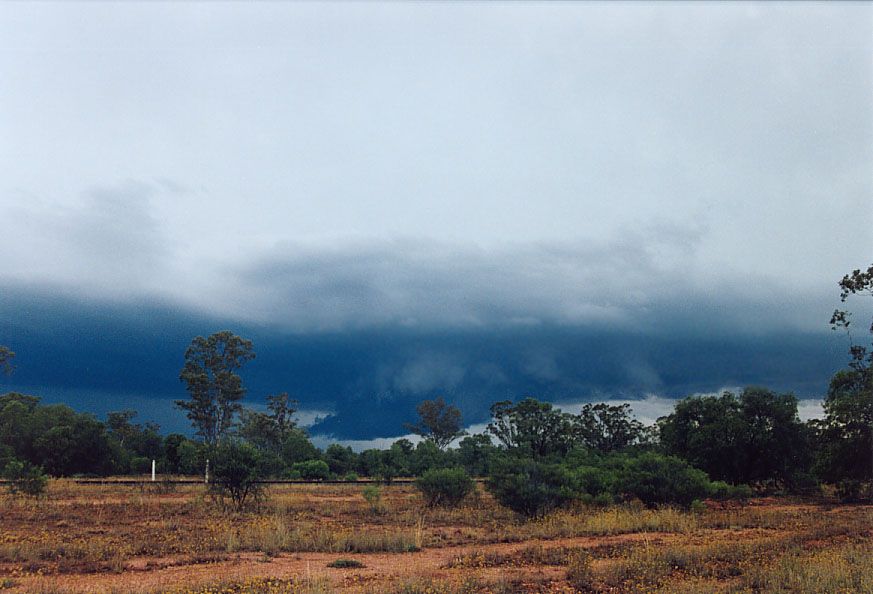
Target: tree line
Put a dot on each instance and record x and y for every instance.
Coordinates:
(534, 455)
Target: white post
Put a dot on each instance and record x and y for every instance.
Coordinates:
(206, 479)
(153, 471)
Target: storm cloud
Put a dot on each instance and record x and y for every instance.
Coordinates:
(397, 201)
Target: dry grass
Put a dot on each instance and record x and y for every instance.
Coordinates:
(114, 532)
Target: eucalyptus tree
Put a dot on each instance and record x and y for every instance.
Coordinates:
(214, 386)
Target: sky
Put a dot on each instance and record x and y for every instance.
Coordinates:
(576, 201)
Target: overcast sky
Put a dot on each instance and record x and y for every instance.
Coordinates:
(314, 169)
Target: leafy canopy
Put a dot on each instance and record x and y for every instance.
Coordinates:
(438, 422)
(213, 384)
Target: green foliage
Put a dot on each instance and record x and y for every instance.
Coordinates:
(341, 460)
(351, 477)
(476, 454)
(722, 491)
(426, 456)
(136, 442)
(445, 486)
(213, 384)
(370, 463)
(845, 435)
(533, 488)
(236, 472)
(192, 458)
(6, 356)
(56, 438)
(25, 478)
(298, 448)
(655, 479)
(608, 428)
(756, 437)
(529, 487)
(532, 428)
(853, 491)
(438, 422)
(312, 470)
(373, 496)
(268, 431)
(346, 564)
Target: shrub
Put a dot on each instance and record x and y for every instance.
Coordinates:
(656, 479)
(346, 564)
(531, 488)
(313, 470)
(140, 465)
(373, 496)
(721, 490)
(237, 473)
(853, 491)
(579, 573)
(445, 486)
(25, 478)
(351, 477)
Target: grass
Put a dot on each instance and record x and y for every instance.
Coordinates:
(101, 531)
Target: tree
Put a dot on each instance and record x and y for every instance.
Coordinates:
(851, 284)
(845, 440)
(215, 387)
(532, 427)
(751, 438)
(340, 459)
(607, 428)
(438, 422)
(6, 357)
(268, 431)
(475, 453)
(849, 405)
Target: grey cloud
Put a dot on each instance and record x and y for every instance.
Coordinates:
(110, 243)
(629, 282)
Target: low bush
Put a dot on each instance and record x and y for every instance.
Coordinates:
(722, 491)
(346, 564)
(445, 486)
(237, 473)
(373, 496)
(531, 488)
(655, 479)
(25, 478)
(312, 470)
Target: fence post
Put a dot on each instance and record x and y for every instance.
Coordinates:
(153, 471)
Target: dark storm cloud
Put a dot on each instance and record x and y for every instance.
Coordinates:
(106, 356)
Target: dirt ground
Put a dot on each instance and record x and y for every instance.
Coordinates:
(119, 538)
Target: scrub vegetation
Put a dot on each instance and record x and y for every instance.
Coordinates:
(727, 493)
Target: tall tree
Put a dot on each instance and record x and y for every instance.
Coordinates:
(847, 430)
(213, 384)
(268, 431)
(438, 422)
(532, 427)
(754, 437)
(608, 428)
(6, 356)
